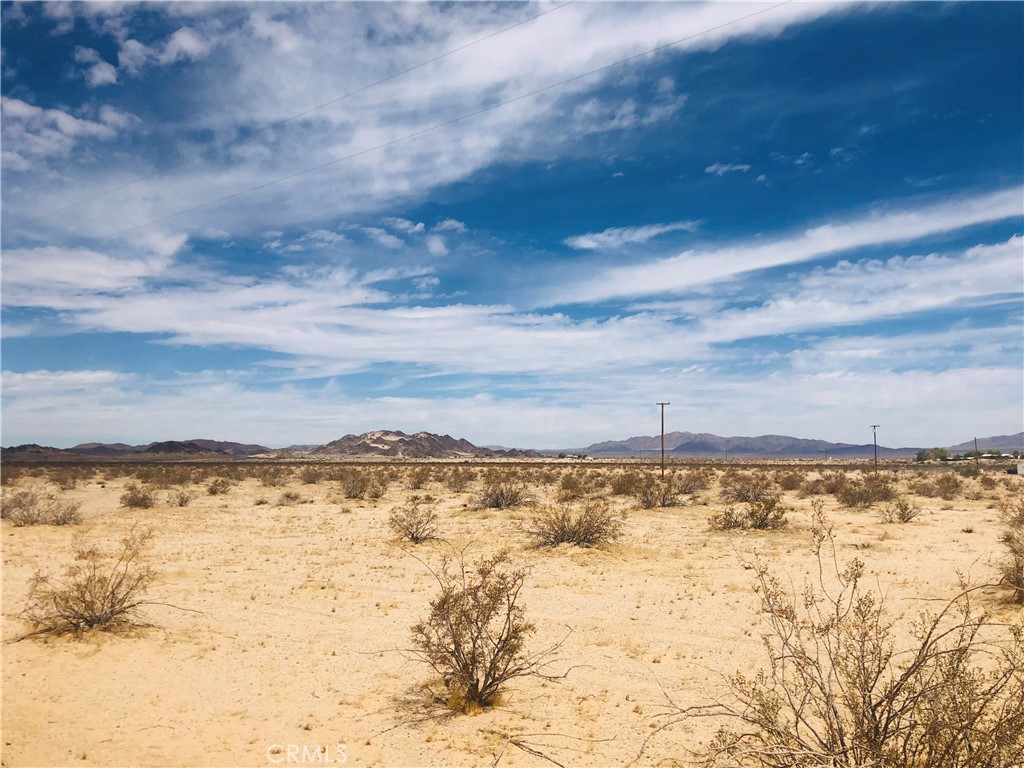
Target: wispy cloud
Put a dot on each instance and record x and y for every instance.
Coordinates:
(617, 237)
(720, 169)
(693, 268)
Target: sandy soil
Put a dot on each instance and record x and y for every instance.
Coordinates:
(293, 646)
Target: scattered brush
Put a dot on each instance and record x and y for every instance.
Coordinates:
(415, 521)
(24, 508)
(591, 524)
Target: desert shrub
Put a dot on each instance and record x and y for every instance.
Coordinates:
(416, 520)
(900, 511)
(988, 482)
(310, 474)
(572, 486)
(218, 486)
(271, 475)
(789, 480)
(746, 486)
(694, 480)
(11, 474)
(418, 477)
(867, 491)
(626, 482)
(1012, 536)
(67, 478)
(840, 691)
(764, 514)
(971, 470)
(591, 524)
(945, 486)
(93, 593)
(180, 497)
(475, 635)
(24, 508)
(652, 492)
(288, 498)
(501, 493)
(458, 479)
(137, 496)
(354, 482)
(829, 484)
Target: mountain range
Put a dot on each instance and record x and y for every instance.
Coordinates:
(388, 443)
(774, 446)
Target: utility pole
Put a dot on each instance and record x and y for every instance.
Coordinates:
(874, 437)
(663, 438)
(977, 456)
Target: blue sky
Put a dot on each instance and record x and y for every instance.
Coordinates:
(797, 218)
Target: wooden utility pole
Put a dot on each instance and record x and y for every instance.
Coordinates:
(663, 438)
(874, 438)
(977, 456)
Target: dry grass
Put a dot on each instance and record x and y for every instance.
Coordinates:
(30, 507)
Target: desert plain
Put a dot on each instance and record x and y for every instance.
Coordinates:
(279, 629)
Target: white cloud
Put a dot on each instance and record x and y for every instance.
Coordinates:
(99, 72)
(404, 225)
(694, 268)
(720, 169)
(450, 225)
(384, 238)
(437, 245)
(616, 237)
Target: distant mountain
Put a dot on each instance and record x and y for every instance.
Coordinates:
(123, 450)
(399, 444)
(767, 446)
(1004, 443)
(186, 447)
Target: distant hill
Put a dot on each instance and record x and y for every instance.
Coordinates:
(174, 448)
(771, 446)
(399, 444)
(1004, 443)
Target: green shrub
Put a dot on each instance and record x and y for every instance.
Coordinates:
(868, 491)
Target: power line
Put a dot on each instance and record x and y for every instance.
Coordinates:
(311, 110)
(437, 126)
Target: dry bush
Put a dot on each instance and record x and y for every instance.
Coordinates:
(591, 524)
(899, 511)
(288, 498)
(572, 486)
(868, 491)
(840, 691)
(988, 482)
(764, 514)
(626, 482)
(181, 497)
(137, 496)
(218, 486)
(272, 475)
(747, 486)
(694, 480)
(829, 484)
(476, 633)
(945, 486)
(311, 474)
(1012, 568)
(93, 593)
(653, 492)
(24, 508)
(67, 478)
(791, 479)
(418, 477)
(416, 520)
(458, 479)
(502, 492)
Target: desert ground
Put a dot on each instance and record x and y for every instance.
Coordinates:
(279, 629)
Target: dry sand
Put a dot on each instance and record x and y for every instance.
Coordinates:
(292, 650)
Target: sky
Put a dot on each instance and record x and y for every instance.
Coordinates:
(522, 224)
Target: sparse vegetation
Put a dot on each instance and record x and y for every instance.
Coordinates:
(837, 692)
(181, 497)
(867, 491)
(218, 486)
(415, 520)
(93, 593)
(137, 496)
(651, 491)
(592, 523)
(458, 479)
(900, 511)
(764, 514)
(502, 492)
(747, 486)
(475, 636)
(29, 507)
(1013, 538)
